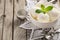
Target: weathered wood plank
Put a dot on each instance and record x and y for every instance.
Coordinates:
(7, 33)
(19, 33)
(1, 17)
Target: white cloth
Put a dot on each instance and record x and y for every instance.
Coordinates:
(37, 33)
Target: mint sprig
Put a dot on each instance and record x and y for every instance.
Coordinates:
(38, 11)
(49, 8)
(44, 9)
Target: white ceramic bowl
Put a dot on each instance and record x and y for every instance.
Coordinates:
(43, 24)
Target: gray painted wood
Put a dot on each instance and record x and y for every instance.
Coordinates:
(19, 33)
(1, 17)
(7, 32)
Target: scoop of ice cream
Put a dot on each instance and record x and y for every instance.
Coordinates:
(54, 14)
(33, 13)
(47, 17)
(43, 17)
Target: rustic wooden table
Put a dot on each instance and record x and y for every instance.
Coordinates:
(9, 24)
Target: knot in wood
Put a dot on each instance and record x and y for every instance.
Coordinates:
(4, 15)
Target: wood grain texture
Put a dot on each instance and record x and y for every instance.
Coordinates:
(19, 33)
(7, 32)
(1, 17)
(6, 8)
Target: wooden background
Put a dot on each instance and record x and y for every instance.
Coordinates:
(9, 24)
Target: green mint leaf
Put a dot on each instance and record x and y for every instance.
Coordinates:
(49, 8)
(38, 11)
(42, 7)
